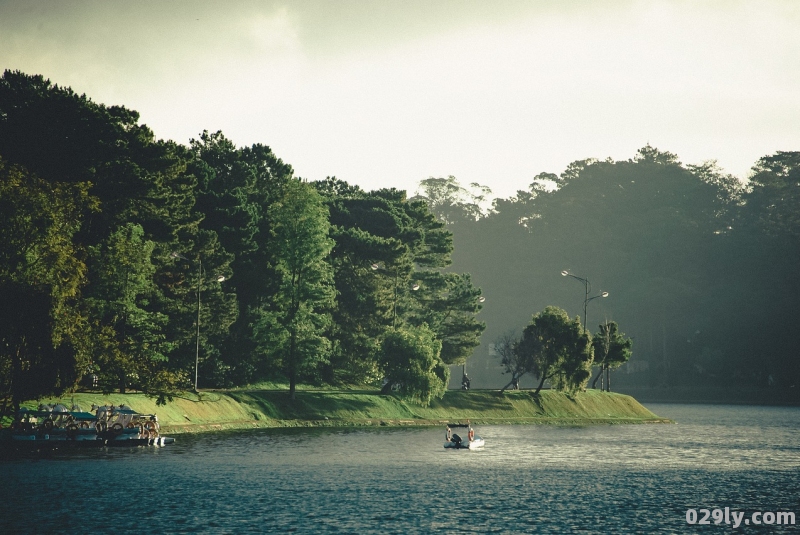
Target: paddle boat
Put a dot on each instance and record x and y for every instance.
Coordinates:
(455, 441)
(53, 423)
(54, 426)
(122, 426)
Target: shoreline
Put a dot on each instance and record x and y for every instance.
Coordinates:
(217, 410)
(299, 424)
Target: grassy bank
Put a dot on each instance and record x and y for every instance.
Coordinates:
(213, 410)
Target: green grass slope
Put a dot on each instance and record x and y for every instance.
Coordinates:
(213, 410)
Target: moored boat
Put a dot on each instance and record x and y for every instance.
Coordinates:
(56, 426)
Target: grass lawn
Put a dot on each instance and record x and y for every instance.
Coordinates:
(271, 407)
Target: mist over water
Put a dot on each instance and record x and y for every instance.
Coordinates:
(543, 479)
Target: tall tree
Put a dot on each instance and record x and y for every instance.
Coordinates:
(412, 365)
(388, 263)
(371, 270)
(43, 331)
(612, 349)
(236, 186)
(204, 308)
(66, 138)
(558, 349)
(514, 361)
(291, 331)
(650, 154)
(121, 302)
(759, 281)
(448, 303)
(451, 202)
(775, 192)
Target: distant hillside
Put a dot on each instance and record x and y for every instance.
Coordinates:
(700, 272)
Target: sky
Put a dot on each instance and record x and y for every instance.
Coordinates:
(389, 93)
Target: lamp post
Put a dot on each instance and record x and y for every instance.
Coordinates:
(587, 288)
(414, 287)
(219, 278)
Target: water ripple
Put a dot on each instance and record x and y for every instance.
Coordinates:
(595, 479)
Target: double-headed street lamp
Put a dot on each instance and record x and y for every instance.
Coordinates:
(380, 265)
(414, 287)
(587, 288)
(218, 278)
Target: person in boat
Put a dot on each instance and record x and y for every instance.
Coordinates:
(471, 434)
(448, 434)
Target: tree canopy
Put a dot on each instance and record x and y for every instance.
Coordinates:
(158, 266)
(611, 348)
(292, 328)
(557, 349)
(115, 245)
(44, 334)
(698, 264)
(412, 365)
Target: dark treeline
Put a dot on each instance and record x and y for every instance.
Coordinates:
(136, 263)
(701, 270)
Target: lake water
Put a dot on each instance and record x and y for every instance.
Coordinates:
(528, 479)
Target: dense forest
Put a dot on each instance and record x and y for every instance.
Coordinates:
(129, 262)
(700, 267)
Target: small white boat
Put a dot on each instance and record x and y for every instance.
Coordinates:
(456, 441)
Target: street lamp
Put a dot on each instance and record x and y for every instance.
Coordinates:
(218, 278)
(380, 265)
(587, 288)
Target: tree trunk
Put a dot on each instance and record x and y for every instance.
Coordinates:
(596, 377)
(292, 358)
(608, 379)
(16, 375)
(511, 382)
(541, 384)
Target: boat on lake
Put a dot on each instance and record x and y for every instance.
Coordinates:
(56, 426)
(456, 441)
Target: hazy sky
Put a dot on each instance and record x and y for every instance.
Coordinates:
(387, 93)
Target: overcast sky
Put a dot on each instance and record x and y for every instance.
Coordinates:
(387, 93)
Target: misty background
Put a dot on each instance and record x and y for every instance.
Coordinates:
(700, 271)
(385, 94)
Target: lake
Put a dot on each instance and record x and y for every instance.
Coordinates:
(528, 479)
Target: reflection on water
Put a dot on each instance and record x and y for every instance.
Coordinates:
(528, 478)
